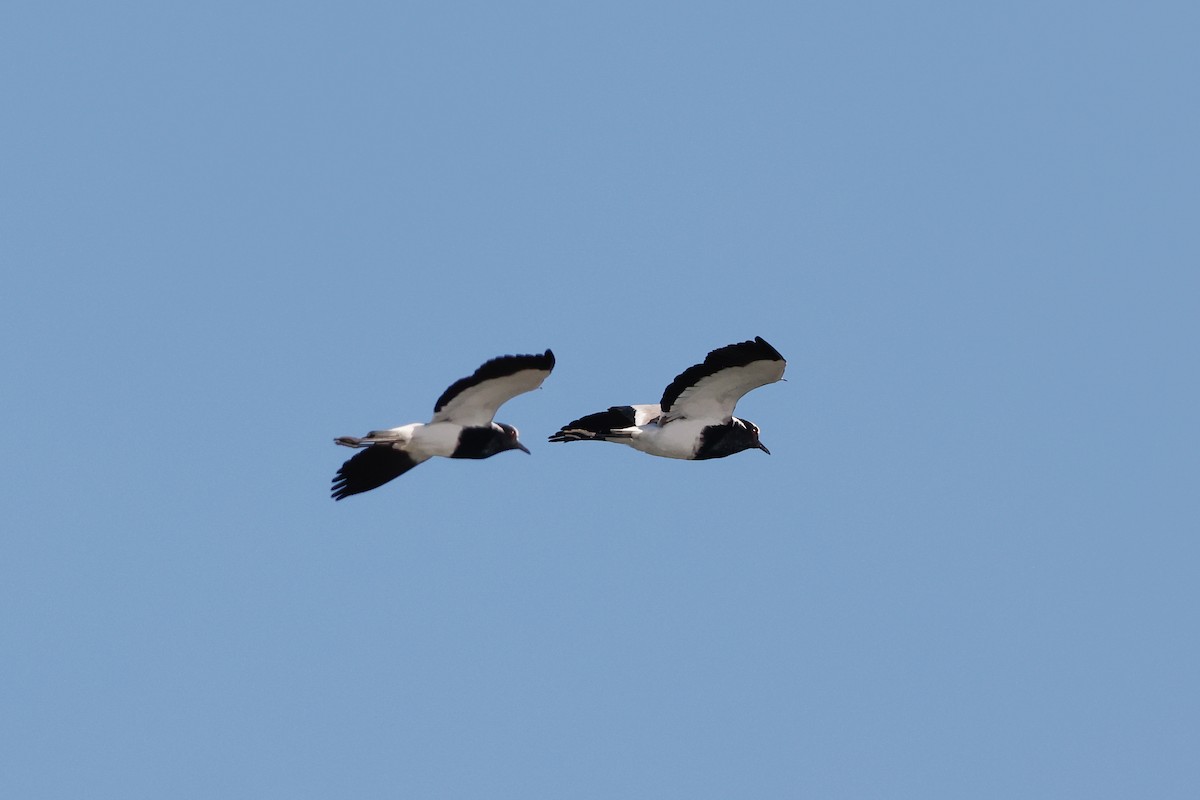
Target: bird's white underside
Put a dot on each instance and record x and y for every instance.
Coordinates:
(418, 439)
(677, 440)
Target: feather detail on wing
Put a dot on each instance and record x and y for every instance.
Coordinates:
(710, 390)
(372, 468)
(474, 400)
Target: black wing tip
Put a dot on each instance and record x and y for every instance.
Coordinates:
(507, 365)
(369, 469)
(769, 351)
(339, 490)
(738, 354)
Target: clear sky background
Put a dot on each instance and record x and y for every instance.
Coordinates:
(233, 231)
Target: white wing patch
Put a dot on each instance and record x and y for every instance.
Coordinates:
(434, 439)
(714, 397)
(645, 414)
(474, 400)
(710, 390)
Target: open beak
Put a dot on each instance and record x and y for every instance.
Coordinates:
(763, 447)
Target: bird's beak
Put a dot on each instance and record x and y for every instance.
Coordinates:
(763, 447)
(522, 448)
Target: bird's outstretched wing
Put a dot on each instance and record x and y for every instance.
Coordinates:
(474, 400)
(711, 390)
(372, 468)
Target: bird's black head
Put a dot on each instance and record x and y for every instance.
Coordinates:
(753, 432)
(508, 439)
(719, 441)
(481, 442)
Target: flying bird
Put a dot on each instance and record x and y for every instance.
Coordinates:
(461, 427)
(694, 420)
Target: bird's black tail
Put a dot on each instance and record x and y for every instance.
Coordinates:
(599, 427)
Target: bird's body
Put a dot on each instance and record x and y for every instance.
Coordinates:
(461, 427)
(694, 420)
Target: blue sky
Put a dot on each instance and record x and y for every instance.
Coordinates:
(232, 232)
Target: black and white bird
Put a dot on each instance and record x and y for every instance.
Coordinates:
(694, 420)
(461, 427)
